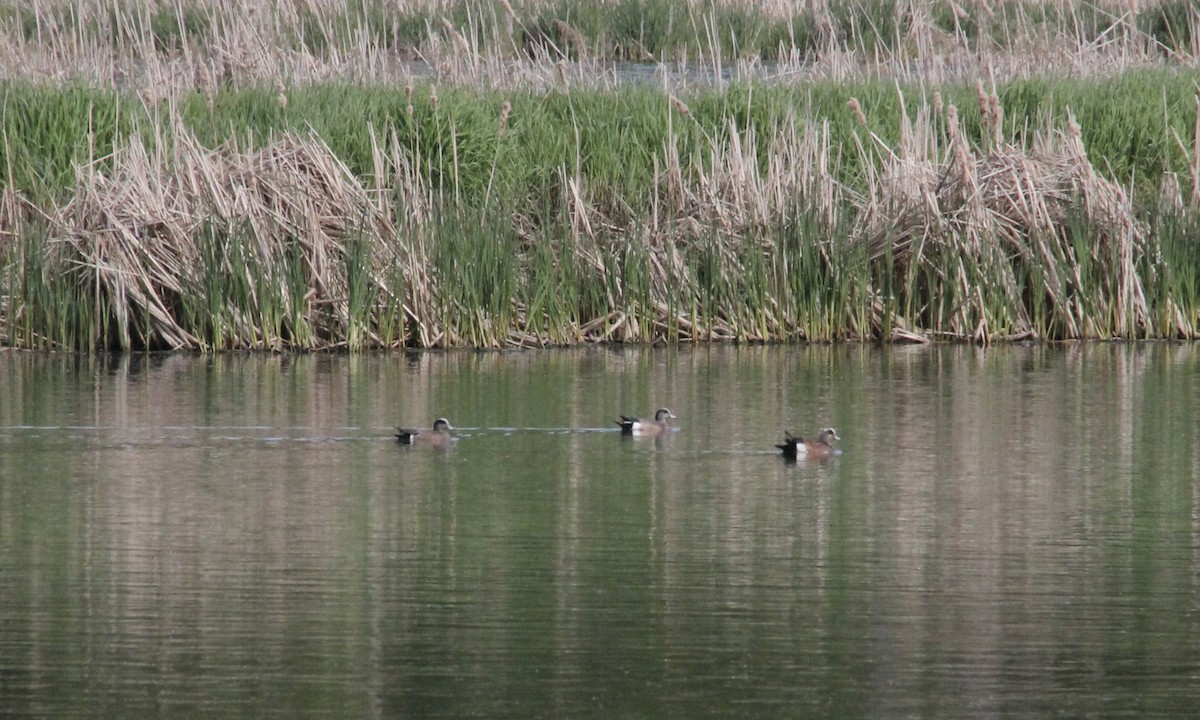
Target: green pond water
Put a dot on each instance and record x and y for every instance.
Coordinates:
(1009, 532)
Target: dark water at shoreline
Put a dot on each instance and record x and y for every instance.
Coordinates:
(1012, 531)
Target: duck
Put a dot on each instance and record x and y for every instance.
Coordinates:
(794, 446)
(634, 426)
(437, 436)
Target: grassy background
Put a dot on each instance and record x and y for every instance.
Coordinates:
(637, 30)
(1135, 127)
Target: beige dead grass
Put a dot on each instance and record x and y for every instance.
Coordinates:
(1008, 214)
(255, 43)
(137, 236)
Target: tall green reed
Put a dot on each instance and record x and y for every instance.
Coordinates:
(475, 265)
(1177, 280)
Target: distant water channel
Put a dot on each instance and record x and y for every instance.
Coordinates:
(1010, 532)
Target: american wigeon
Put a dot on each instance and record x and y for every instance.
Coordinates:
(634, 426)
(794, 446)
(435, 437)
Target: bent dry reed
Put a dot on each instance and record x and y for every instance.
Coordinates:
(233, 211)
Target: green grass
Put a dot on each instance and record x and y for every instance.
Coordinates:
(1178, 279)
(612, 138)
(46, 133)
(567, 223)
(475, 266)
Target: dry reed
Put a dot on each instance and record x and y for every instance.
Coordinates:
(1008, 219)
(136, 239)
(163, 49)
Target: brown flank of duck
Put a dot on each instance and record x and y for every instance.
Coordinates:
(634, 426)
(437, 436)
(794, 446)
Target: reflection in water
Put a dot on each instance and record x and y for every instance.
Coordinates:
(1009, 531)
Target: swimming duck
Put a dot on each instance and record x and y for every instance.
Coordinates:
(794, 446)
(633, 426)
(435, 437)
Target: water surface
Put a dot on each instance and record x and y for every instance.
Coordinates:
(1010, 532)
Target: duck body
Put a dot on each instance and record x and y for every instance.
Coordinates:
(635, 426)
(795, 447)
(437, 436)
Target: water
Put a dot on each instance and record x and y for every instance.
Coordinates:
(1010, 532)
